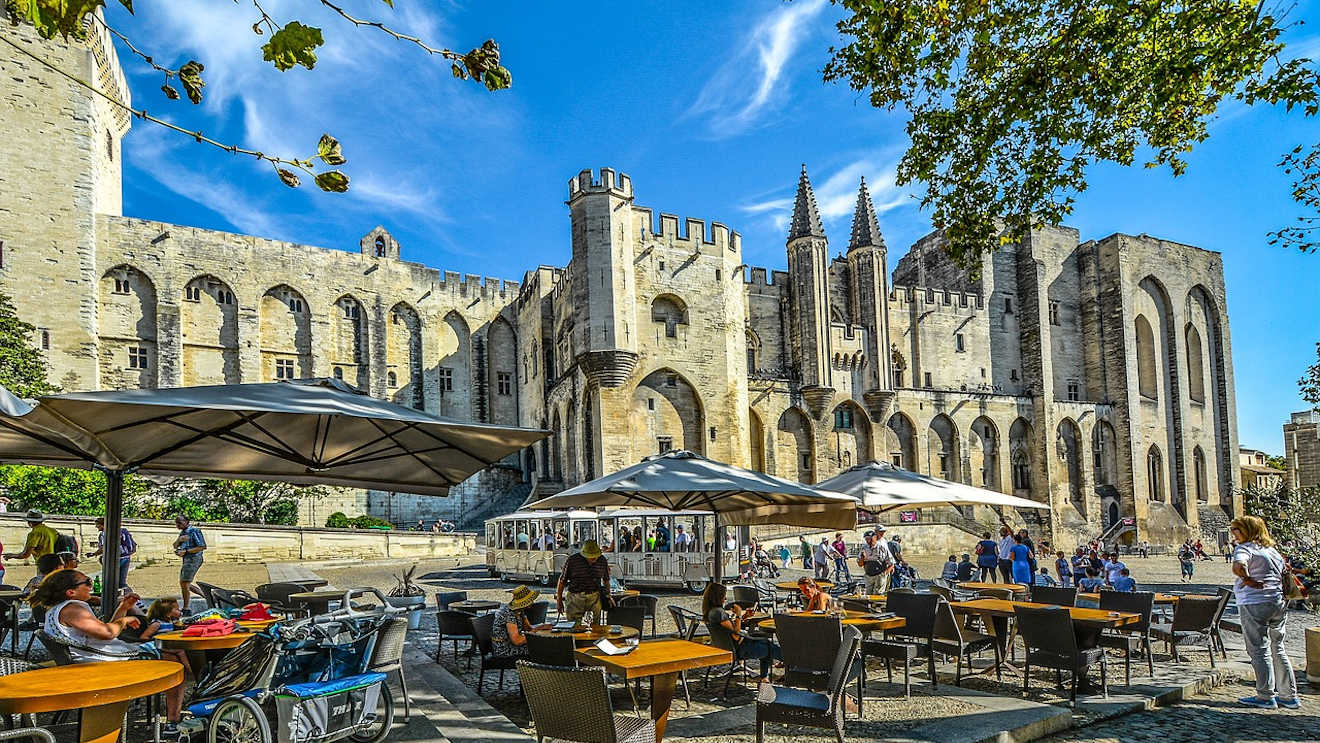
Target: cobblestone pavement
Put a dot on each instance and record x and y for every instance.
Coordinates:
(1210, 718)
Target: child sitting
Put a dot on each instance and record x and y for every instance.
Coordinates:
(1092, 582)
(161, 617)
(1043, 578)
(1125, 581)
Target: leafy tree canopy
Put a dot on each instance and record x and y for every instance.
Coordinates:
(22, 367)
(1012, 100)
(1292, 516)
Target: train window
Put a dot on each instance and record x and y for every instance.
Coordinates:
(490, 536)
(522, 536)
(582, 531)
(535, 532)
(506, 530)
(685, 537)
(559, 535)
(659, 534)
(606, 531)
(631, 537)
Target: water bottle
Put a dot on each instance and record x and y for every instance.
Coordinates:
(96, 585)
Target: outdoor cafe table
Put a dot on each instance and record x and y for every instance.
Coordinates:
(318, 602)
(662, 661)
(971, 585)
(587, 637)
(1160, 598)
(791, 585)
(870, 598)
(475, 605)
(863, 621)
(101, 690)
(997, 612)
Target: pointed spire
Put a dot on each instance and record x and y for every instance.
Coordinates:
(865, 226)
(806, 219)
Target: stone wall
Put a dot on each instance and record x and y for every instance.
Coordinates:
(1301, 449)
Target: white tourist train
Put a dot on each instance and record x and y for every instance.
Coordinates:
(644, 547)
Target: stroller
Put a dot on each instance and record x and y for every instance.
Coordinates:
(763, 566)
(302, 681)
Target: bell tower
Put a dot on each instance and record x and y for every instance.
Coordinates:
(867, 261)
(809, 298)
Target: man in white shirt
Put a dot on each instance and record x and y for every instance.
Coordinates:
(1005, 554)
(681, 539)
(877, 562)
(1113, 568)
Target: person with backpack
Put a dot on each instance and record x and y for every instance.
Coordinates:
(40, 540)
(1186, 561)
(987, 557)
(127, 547)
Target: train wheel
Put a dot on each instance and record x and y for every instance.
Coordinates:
(543, 579)
(696, 586)
(377, 730)
(238, 721)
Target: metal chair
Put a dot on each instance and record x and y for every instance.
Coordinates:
(444, 598)
(648, 603)
(456, 626)
(552, 651)
(536, 612)
(721, 637)
(824, 709)
(40, 734)
(1054, 595)
(224, 598)
(387, 654)
(767, 598)
(1217, 635)
(918, 631)
(1051, 642)
(1129, 636)
(277, 595)
(1193, 623)
(893, 591)
(950, 639)
(746, 596)
(589, 718)
(206, 589)
(852, 605)
(481, 628)
(628, 616)
(58, 650)
(688, 623)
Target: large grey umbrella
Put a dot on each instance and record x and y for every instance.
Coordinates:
(881, 486)
(682, 480)
(308, 432)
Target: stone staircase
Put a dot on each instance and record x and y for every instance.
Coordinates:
(502, 503)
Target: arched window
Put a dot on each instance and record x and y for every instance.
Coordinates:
(899, 364)
(1147, 369)
(752, 356)
(1198, 474)
(671, 311)
(1155, 474)
(1195, 366)
(380, 246)
(392, 379)
(339, 373)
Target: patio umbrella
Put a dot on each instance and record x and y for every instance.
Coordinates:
(308, 432)
(682, 480)
(881, 486)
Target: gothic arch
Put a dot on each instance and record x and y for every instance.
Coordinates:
(286, 334)
(756, 440)
(557, 449)
(849, 439)
(208, 322)
(1147, 366)
(899, 366)
(1201, 487)
(403, 354)
(1022, 457)
(1164, 420)
(1220, 458)
(349, 342)
(942, 448)
(1154, 474)
(754, 360)
(983, 453)
(126, 329)
(1068, 440)
(901, 442)
(453, 373)
(666, 412)
(501, 385)
(1104, 444)
(669, 311)
(795, 447)
(1195, 365)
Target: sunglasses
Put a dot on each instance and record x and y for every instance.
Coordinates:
(83, 582)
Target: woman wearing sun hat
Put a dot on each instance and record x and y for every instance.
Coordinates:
(511, 621)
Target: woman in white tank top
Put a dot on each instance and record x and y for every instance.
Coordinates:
(70, 619)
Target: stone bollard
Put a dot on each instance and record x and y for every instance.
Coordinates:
(1313, 654)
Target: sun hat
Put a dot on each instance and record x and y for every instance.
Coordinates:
(35, 517)
(523, 597)
(590, 549)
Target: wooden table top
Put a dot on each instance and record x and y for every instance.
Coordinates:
(85, 685)
(475, 604)
(625, 593)
(874, 598)
(655, 657)
(587, 636)
(176, 640)
(316, 596)
(791, 585)
(1160, 598)
(972, 585)
(1004, 608)
(859, 619)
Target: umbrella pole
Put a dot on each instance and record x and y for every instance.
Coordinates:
(114, 509)
(719, 548)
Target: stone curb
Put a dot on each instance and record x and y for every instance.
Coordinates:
(457, 712)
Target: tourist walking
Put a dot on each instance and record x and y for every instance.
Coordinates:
(804, 548)
(190, 545)
(876, 561)
(1021, 561)
(820, 559)
(127, 547)
(1186, 561)
(1005, 552)
(585, 576)
(1263, 611)
(841, 572)
(40, 538)
(987, 557)
(1063, 568)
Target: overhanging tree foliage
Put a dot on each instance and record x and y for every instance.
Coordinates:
(1012, 100)
(1293, 518)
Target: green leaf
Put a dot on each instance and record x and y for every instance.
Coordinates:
(328, 150)
(169, 92)
(289, 177)
(295, 44)
(458, 71)
(388, 2)
(50, 17)
(190, 76)
(332, 180)
(498, 78)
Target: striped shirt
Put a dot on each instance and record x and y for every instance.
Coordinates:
(582, 576)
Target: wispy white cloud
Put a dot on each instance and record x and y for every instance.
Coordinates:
(751, 83)
(836, 194)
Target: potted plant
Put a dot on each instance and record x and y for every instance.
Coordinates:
(409, 595)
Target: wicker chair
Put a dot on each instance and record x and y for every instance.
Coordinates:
(950, 639)
(1129, 637)
(58, 650)
(687, 622)
(39, 734)
(456, 626)
(1054, 595)
(387, 654)
(825, 709)
(918, 613)
(1052, 643)
(853, 605)
(481, 628)
(809, 644)
(589, 718)
(722, 638)
(547, 650)
(1193, 623)
(649, 604)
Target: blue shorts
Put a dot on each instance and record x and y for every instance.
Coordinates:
(191, 564)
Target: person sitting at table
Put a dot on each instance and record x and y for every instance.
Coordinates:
(731, 619)
(813, 598)
(966, 567)
(1125, 581)
(1043, 578)
(1092, 582)
(506, 634)
(162, 616)
(950, 571)
(46, 564)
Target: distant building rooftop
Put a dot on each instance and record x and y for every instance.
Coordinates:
(1306, 416)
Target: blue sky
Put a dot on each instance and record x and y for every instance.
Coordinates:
(710, 107)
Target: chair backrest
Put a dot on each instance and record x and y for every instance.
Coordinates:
(1137, 602)
(589, 717)
(745, 595)
(551, 651)
(917, 609)
(809, 645)
(444, 598)
(647, 602)
(1224, 595)
(844, 662)
(901, 590)
(1054, 595)
(996, 593)
(843, 588)
(278, 592)
(1049, 629)
(59, 652)
(536, 612)
(942, 591)
(206, 589)
(628, 616)
(454, 623)
(481, 628)
(855, 604)
(1195, 615)
(387, 654)
(764, 591)
(686, 621)
(946, 623)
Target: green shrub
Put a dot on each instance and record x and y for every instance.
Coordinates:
(369, 522)
(337, 520)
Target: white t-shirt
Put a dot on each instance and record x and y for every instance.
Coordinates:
(1006, 547)
(1114, 570)
(1265, 564)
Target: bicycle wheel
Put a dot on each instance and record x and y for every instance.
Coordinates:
(375, 732)
(238, 721)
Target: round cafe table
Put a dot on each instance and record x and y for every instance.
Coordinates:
(475, 605)
(318, 602)
(101, 690)
(177, 641)
(791, 585)
(587, 637)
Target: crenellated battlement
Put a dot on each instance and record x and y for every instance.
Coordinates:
(585, 182)
(475, 286)
(934, 299)
(693, 234)
(758, 278)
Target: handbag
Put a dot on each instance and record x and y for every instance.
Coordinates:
(1293, 589)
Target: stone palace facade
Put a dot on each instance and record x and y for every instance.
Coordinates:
(1092, 375)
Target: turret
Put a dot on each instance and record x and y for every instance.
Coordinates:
(809, 292)
(604, 283)
(870, 275)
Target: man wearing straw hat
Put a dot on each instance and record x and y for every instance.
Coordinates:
(586, 574)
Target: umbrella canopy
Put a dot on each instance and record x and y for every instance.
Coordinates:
(881, 486)
(308, 432)
(681, 480)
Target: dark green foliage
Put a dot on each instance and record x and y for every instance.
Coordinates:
(337, 520)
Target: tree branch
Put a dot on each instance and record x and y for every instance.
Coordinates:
(446, 53)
